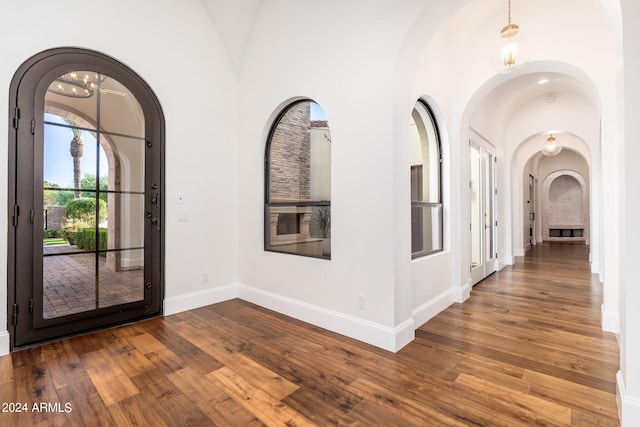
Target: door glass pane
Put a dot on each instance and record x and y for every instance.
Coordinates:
(126, 220)
(488, 206)
(476, 208)
(125, 162)
(120, 112)
(69, 156)
(69, 284)
(121, 277)
(93, 177)
(531, 209)
(76, 91)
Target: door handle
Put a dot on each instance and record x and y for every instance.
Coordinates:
(155, 216)
(156, 201)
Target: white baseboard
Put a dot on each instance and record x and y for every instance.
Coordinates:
(610, 321)
(434, 306)
(5, 343)
(199, 299)
(459, 294)
(518, 252)
(385, 337)
(388, 338)
(628, 406)
(527, 247)
(505, 261)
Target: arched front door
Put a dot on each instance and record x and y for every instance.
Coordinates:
(85, 191)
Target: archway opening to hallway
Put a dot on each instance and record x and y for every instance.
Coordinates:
(556, 199)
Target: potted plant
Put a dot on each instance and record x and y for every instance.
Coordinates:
(323, 218)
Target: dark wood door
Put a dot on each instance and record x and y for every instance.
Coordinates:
(86, 240)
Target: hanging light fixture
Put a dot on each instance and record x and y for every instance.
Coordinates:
(552, 147)
(510, 50)
(77, 84)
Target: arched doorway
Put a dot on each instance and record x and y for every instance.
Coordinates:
(86, 167)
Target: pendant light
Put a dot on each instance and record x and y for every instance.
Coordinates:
(552, 147)
(510, 49)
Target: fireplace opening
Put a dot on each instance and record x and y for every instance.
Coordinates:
(288, 223)
(566, 232)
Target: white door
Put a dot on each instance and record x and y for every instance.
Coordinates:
(532, 211)
(483, 219)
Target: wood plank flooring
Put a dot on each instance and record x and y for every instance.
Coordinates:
(525, 349)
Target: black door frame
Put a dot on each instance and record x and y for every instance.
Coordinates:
(25, 123)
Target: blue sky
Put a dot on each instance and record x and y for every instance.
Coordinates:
(317, 113)
(58, 163)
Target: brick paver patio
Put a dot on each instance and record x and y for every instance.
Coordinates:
(70, 283)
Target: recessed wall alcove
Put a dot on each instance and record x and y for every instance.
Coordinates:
(565, 207)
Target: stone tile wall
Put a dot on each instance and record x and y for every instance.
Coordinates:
(290, 156)
(565, 204)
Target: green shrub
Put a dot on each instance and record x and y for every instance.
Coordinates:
(52, 234)
(86, 239)
(84, 208)
(69, 230)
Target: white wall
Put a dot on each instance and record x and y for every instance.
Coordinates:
(342, 58)
(174, 47)
(629, 376)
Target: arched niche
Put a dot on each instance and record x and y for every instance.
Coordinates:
(565, 207)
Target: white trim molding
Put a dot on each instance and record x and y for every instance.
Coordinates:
(458, 294)
(628, 406)
(434, 306)
(518, 252)
(388, 338)
(193, 300)
(5, 343)
(385, 337)
(505, 261)
(610, 321)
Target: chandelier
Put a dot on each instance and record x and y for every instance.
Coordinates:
(552, 147)
(77, 84)
(510, 50)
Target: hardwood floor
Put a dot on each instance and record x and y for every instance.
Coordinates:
(525, 349)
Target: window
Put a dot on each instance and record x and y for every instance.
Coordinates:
(426, 183)
(298, 182)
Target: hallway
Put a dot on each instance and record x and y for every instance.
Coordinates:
(525, 349)
(530, 338)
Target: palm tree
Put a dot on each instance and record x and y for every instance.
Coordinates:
(76, 149)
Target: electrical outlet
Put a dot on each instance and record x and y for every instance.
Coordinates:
(362, 302)
(205, 277)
